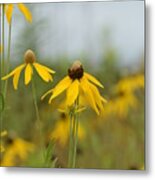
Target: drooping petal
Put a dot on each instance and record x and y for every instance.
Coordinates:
(60, 87)
(9, 12)
(43, 73)
(16, 77)
(28, 74)
(97, 96)
(48, 92)
(25, 12)
(72, 92)
(13, 72)
(88, 94)
(46, 68)
(103, 100)
(93, 79)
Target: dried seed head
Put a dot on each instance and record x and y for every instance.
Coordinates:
(29, 56)
(76, 70)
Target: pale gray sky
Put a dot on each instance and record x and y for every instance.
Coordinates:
(74, 29)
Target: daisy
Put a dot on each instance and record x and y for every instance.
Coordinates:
(79, 85)
(30, 63)
(24, 10)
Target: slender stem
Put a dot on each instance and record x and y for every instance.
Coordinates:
(75, 130)
(35, 102)
(70, 141)
(38, 122)
(8, 59)
(75, 140)
(3, 41)
(2, 62)
(73, 136)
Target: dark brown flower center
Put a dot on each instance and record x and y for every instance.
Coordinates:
(29, 56)
(76, 71)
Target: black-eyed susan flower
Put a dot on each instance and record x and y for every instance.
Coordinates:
(17, 152)
(79, 85)
(24, 10)
(30, 64)
(125, 97)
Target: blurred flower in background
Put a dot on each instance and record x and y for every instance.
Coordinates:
(16, 152)
(60, 133)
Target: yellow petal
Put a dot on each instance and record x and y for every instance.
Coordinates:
(9, 12)
(93, 79)
(25, 12)
(43, 73)
(60, 87)
(46, 68)
(28, 74)
(16, 77)
(13, 72)
(48, 92)
(103, 100)
(72, 92)
(97, 96)
(88, 94)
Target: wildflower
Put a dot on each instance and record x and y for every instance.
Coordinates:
(17, 152)
(61, 130)
(30, 63)
(130, 84)
(2, 134)
(24, 10)
(79, 85)
(125, 96)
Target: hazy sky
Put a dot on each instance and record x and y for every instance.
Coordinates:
(74, 29)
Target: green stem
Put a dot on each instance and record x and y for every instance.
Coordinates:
(2, 65)
(3, 41)
(8, 59)
(75, 140)
(75, 130)
(73, 136)
(38, 122)
(70, 141)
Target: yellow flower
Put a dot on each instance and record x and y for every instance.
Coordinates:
(61, 130)
(79, 84)
(17, 152)
(30, 63)
(24, 10)
(130, 84)
(2, 134)
(125, 96)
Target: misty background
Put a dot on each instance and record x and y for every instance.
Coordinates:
(81, 29)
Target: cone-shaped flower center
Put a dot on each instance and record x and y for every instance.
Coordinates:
(76, 70)
(29, 56)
